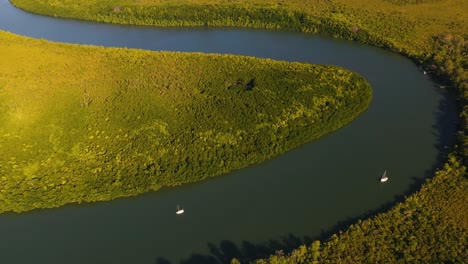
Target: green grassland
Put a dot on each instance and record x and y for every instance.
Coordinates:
(430, 226)
(88, 124)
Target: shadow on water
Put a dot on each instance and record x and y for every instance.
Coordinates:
(247, 251)
(445, 127)
(227, 250)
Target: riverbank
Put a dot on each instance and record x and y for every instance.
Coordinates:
(431, 33)
(108, 116)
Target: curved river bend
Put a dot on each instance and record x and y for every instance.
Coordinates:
(289, 200)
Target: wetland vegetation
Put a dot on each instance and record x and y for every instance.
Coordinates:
(84, 123)
(430, 226)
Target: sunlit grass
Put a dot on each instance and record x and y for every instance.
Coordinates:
(88, 123)
(429, 226)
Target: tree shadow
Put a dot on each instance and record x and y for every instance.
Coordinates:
(161, 260)
(247, 251)
(445, 126)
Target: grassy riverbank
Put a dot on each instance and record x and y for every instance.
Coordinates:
(390, 23)
(87, 123)
(430, 225)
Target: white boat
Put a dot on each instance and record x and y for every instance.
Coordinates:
(179, 211)
(384, 177)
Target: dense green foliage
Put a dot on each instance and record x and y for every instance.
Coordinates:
(430, 226)
(180, 14)
(379, 22)
(450, 63)
(88, 123)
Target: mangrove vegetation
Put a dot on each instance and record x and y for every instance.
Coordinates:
(429, 226)
(82, 123)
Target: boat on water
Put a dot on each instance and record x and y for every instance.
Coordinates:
(179, 210)
(384, 177)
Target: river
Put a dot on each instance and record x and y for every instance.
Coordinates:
(292, 199)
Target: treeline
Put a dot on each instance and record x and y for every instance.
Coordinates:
(222, 15)
(89, 124)
(432, 33)
(231, 16)
(397, 32)
(450, 62)
(429, 227)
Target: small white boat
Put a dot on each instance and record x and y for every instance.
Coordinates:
(179, 211)
(384, 177)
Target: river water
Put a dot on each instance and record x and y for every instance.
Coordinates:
(292, 199)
